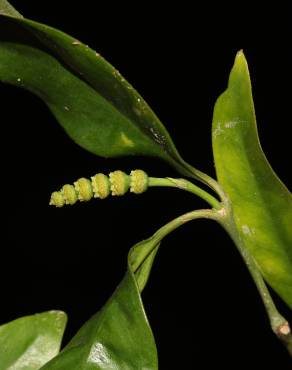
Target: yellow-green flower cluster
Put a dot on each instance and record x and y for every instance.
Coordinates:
(100, 186)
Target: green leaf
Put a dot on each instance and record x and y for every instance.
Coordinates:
(30, 342)
(119, 336)
(262, 205)
(7, 9)
(95, 105)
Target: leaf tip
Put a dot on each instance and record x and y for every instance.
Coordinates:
(8, 10)
(59, 317)
(240, 62)
(240, 54)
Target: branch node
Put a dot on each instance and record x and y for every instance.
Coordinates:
(284, 330)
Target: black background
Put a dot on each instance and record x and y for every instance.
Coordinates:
(201, 302)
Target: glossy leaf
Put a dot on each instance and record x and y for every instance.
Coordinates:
(262, 204)
(30, 342)
(119, 336)
(96, 106)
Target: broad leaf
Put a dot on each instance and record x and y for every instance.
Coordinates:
(262, 205)
(96, 106)
(30, 342)
(119, 336)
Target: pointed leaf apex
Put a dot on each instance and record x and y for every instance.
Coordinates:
(240, 53)
(239, 78)
(7, 9)
(240, 63)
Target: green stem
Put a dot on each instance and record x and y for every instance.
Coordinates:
(156, 238)
(279, 324)
(223, 216)
(181, 220)
(142, 254)
(187, 186)
(189, 170)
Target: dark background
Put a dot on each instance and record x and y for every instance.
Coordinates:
(201, 302)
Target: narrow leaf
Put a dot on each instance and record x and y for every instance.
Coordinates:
(119, 336)
(30, 342)
(262, 205)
